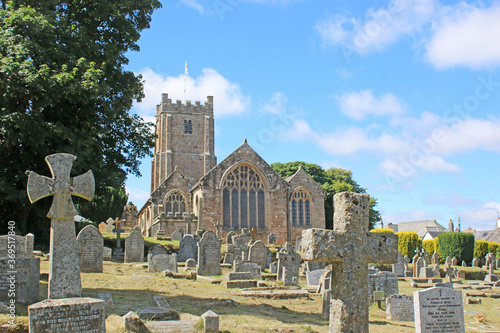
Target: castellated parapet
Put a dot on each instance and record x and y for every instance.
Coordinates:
(188, 108)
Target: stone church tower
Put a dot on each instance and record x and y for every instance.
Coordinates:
(185, 139)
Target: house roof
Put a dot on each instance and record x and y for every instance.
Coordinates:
(420, 227)
(433, 234)
(488, 235)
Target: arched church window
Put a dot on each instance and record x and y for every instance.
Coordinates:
(188, 126)
(175, 203)
(300, 208)
(243, 199)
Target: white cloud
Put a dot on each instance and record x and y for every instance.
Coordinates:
(467, 36)
(137, 195)
(483, 217)
(194, 5)
(228, 98)
(411, 215)
(277, 104)
(358, 105)
(379, 27)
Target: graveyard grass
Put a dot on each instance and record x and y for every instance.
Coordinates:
(133, 287)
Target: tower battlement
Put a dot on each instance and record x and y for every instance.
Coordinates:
(197, 107)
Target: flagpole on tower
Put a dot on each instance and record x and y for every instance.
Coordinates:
(185, 78)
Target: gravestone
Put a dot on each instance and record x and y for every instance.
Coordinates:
(134, 247)
(177, 235)
(157, 249)
(438, 309)
(247, 266)
(19, 283)
(427, 257)
(271, 239)
(454, 261)
(400, 307)
(417, 266)
(257, 253)
(102, 227)
(290, 263)
(118, 230)
(240, 245)
(110, 225)
(90, 248)
(162, 262)
(399, 267)
(64, 267)
(476, 262)
(229, 237)
(209, 255)
(137, 228)
(491, 276)
(190, 263)
(106, 253)
(68, 315)
(383, 281)
(497, 263)
(314, 265)
(187, 248)
(464, 264)
(349, 247)
(435, 258)
(312, 277)
(22, 246)
(490, 259)
(436, 271)
(228, 258)
(210, 321)
(273, 268)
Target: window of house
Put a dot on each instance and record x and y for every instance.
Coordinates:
(243, 199)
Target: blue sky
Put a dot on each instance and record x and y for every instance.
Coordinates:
(404, 93)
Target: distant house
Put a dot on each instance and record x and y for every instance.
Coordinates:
(420, 227)
(431, 235)
(489, 235)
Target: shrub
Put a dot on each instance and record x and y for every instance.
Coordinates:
(457, 244)
(480, 249)
(428, 245)
(408, 242)
(493, 248)
(383, 230)
(437, 249)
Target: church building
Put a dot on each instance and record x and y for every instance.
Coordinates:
(189, 190)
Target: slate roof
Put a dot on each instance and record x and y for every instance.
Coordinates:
(420, 227)
(488, 235)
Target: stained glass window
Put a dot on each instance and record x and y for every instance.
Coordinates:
(300, 208)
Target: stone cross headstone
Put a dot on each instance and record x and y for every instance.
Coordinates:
(189, 219)
(349, 247)
(64, 268)
(491, 276)
(90, 248)
(209, 255)
(290, 263)
(110, 225)
(134, 247)
(118, 230)
(187, 248)
(258, 253)
(438, 309)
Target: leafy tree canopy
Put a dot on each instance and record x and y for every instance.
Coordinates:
(333, 180)
(65, 89)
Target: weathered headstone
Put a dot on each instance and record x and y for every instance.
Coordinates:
(290, 261)
(110, 225)
(399, 267)
(491, 276)
(400, 307)
(228, 258)
(16, 245)
(190, 263)
(209, 255)
(476, 262)
(157, 249)
(64, 268)
(271, 239)
(273, 268)
(312, 277)
(418, 264)
(257, 253)
(102, 227)
(247, 266)
(68, 315)
(438, 309)
(162, 262)
(19, 281)
(229, 237)
(106, 253)
(240, 245)
(177, 235)
(210, 321)
(134, 247)
(314, 265)
(383, 281)
(435, 258)
(90, 248)
(187, 248)
(349, 247)
(454, 261)
(118, 230)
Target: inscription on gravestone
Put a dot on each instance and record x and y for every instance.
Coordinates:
(209, 255)
(90, 247)
(134, 247)
(438, 309)
(400, 307)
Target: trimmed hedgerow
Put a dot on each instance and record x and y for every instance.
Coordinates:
(408, 242)
(457, 244)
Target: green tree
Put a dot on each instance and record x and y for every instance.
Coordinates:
(65, 89)
(333, 180)
(109, 203)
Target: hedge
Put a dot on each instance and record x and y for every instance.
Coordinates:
(408, 242)
(383, 230)
(480, 249)
(457, 244)
(429, 246)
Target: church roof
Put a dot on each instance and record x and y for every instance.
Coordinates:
(301, 174)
